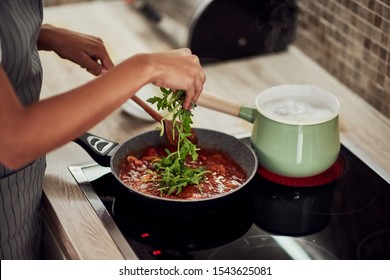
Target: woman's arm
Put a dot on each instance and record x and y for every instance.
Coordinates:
(31, 131)
(90, 53)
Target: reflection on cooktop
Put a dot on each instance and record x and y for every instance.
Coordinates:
(342, 219)
(375, 246)
(262, 247)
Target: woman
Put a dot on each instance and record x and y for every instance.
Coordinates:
(30, 128)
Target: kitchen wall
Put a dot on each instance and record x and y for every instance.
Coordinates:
(351, 40)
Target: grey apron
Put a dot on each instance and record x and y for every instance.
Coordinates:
(21, 190)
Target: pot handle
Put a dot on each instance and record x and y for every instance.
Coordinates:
(98, 148)
(211, 101)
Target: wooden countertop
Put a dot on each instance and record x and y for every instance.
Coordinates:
(74, 223)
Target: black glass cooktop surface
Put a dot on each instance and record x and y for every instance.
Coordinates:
(343, 218)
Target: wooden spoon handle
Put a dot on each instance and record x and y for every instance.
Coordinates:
(213, 102)
(154, 114)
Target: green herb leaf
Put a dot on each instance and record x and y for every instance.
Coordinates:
(171, 171)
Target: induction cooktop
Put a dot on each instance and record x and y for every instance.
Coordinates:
(342, 214)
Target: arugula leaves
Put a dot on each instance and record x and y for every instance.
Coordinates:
(171, 171)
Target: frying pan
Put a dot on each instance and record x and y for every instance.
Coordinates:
(200, 232)
(108, 153)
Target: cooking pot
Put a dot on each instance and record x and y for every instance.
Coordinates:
(295, 128)
(111, 154)
(223, 29)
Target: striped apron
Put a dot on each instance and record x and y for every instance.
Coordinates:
(21, 190)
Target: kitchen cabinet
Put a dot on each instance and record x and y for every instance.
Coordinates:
(76, 230)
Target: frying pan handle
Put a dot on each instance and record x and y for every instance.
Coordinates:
(98, 148)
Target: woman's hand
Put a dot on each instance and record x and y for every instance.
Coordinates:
(177, 70)
(87, 51)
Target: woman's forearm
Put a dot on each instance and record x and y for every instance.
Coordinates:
(31, 131)
(44, 37)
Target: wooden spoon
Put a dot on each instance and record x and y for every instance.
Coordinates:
(168, 124)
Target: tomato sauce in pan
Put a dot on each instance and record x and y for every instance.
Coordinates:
(225, 175)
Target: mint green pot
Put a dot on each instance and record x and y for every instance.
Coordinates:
(294, 149)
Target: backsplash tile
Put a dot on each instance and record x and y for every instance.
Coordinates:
(351, 40)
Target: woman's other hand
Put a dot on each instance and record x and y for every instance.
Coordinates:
(87, 51)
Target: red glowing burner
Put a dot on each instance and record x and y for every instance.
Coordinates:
(329, 175)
